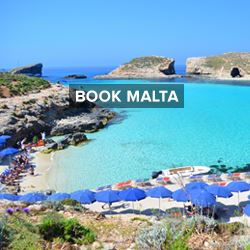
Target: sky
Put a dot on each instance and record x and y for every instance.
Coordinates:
(89, 33)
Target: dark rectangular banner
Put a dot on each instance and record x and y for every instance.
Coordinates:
(129, 95)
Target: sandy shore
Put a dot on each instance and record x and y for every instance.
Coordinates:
(39, 181)
(148, 206)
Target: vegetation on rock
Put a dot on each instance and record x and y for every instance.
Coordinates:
(227, 65)
(13, 85)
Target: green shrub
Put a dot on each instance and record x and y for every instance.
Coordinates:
(152, 237)
(70, 202)
(51, 226)
(4, 233)
(202, 224)
(177, 234)
(22, 84)
(74, 232)
(234, 228)
(70, 230)
(238, 242)
(22, 234)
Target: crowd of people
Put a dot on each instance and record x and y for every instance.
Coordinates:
(19, 165)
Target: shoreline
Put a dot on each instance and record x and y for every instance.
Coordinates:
(37, 182)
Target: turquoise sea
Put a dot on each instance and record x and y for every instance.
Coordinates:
(215, 124)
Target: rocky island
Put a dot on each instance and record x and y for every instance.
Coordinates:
(30, 105)
(75, 76)
(149, 67)
(225, 66)
(30, 70)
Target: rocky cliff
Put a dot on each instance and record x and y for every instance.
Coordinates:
(48, 110)
(31, 70)
(149, 67)
(225, 66)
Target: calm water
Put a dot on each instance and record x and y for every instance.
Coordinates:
(213, 125)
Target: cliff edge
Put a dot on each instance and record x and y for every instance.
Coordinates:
(149, 67)
(30, 70)
(225, 66)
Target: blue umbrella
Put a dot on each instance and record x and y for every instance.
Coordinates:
(238, 186)
(247, 210)
(132, 194)
(8, 151)
(108, 196)
(196, 185)
(58, 197)
(10, 197)
(181, 195)
(84, 196)
(159, 192)
(33, 197)
(202, 198)
(219, 191)
(4, 138)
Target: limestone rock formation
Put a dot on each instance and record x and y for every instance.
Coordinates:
(72, 139)
(31, 70)
(225, 66)
(149, 67)
(75, 76)
(48, 111)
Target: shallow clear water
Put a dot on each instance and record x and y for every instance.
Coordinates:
(213, 125)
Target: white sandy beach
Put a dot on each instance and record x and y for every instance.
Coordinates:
(37, 182)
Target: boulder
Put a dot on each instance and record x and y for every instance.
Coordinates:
(52, 146)
(76, 138)
(149, 67)
(84, 122)
(73, 139)
(37, 208)
(31, 70)
(225, 66)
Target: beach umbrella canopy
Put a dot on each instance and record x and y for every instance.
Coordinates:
(238, 186)
(8, 151)
(159, 192)
(83, 196)
(33, 197)
(58, 197)
(107, 196)
(246, 210)
(219, 191)
(196, 185)
(132, 194)
(202, 198)
(10, 197)
(4, 138)
(181, 195)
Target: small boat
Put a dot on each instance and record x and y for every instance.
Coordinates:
(186, 171)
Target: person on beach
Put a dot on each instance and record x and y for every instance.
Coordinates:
(22, 144)
(32, 172)
(43, 135)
